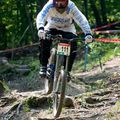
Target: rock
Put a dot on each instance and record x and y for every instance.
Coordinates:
(69, 102)
(92, 100)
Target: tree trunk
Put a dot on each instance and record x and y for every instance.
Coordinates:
(3, 39)
(96, 13)
(21, 51)
(40, 4)
(86, 8)
(103, 11)
(30, 21)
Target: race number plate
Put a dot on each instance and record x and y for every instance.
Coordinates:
(63, 49)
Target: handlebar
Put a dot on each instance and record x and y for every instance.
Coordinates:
(60, 38)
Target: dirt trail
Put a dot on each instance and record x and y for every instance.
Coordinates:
(101, 104)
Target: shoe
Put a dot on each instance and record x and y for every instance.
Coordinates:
(42, 71)
(50, 71)
(68, 77)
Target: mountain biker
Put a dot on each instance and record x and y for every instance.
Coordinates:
(58, 17)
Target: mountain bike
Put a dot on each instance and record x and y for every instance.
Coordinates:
(56, 79)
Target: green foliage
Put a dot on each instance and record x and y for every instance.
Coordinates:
(34, 102)
(17, 21)
(26, 107)
(14, 21)
(99, 53)
(113, 114)
(4, 86)
(99, 84)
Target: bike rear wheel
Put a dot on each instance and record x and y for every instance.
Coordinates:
(59, 94)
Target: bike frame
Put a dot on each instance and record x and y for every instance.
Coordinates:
(60, 60)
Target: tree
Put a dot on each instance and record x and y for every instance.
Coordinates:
(40, 4)
(96, 12)
(103, 11)
(86, 8)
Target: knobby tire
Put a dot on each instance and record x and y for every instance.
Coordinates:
(58, 98)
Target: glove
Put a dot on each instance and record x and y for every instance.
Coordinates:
(41, 34)
(88, 38)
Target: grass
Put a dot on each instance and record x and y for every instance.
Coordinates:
(99, 84)
(113, 114)
(96, 57)
(5, 86)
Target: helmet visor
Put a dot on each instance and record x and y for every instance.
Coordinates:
(61, 3)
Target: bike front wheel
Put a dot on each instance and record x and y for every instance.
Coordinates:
(59, 93)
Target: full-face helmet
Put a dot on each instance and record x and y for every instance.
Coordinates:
(60, 5)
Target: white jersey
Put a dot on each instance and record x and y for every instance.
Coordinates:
(49, 17)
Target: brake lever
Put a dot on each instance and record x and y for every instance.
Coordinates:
(48, 36)
(59, 36)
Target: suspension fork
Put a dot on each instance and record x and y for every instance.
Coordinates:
(66, 64)
(58, 65)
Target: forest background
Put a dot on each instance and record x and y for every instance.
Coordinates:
(17, 19)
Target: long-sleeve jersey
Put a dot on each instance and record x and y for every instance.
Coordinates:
(49, 18)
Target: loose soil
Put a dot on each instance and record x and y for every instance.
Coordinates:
(95, 95)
